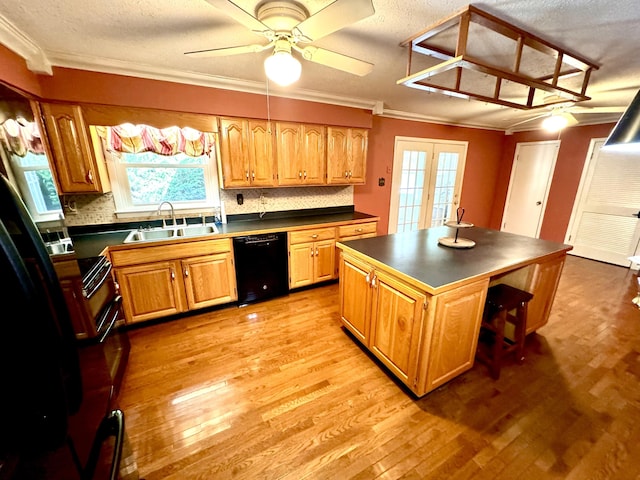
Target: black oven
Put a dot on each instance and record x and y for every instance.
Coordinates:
(103, 359)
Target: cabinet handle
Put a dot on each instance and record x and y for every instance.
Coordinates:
(350, 174)
(368, 278)
(247, 174)
(253, 175)
(373, 281)
(315, 235)
(312, 251)
(186, 272)
(346, 174)
(316, 252)
(358, 230)
(89, 177)
(300, 174)
(173, 275)
(305, 174)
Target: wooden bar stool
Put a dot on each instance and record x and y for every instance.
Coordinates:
(502, 300)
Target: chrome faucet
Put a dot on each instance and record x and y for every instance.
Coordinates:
(173, 213)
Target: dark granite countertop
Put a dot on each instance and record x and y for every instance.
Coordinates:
(91, 243)
(418, 255)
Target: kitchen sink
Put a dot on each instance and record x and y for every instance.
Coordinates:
(196, 230)
(146, 235)
(169, 233)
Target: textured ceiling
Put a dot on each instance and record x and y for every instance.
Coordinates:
(148, 38)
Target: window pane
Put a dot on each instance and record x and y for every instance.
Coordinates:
(154, 185)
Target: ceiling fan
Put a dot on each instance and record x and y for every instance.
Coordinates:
(559, 114)
(287, 23)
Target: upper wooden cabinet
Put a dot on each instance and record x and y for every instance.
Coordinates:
(246, 151)
(346, 155)
(77, 168)
(301, 154)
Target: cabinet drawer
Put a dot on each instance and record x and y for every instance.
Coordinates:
(312, 235)
(357, 229)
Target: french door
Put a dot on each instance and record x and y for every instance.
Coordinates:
(426, 183)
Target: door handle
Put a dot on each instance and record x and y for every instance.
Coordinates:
(636, 214)
(538, 203)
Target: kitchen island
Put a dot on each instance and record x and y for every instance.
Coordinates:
(417, 305)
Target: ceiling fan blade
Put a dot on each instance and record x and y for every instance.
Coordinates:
(522, 122)
(223, 52)
(333, 17)
(240, 15)
(335, 60)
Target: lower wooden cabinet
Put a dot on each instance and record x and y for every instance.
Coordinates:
(453, 330)
(151, 290)
(177, 282)
(209, 280)
(311, 256)
(396, 325)
(424, 340)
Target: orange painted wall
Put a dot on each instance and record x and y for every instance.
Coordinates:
(484, 155)
(92, 87)
(574, 145)
(14, 72)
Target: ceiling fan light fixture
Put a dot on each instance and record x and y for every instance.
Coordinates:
(282, 67)
(555, 122)
(625, 136)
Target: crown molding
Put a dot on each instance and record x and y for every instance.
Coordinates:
(119, 67)
(18, 42)
(416, 117)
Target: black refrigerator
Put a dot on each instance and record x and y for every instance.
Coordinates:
(41, 377)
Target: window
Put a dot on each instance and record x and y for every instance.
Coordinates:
(148, 166)
(38, 191)
(28, 169)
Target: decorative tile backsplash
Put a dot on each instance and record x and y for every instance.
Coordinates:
(100, 209)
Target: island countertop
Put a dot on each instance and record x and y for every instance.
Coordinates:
(417, 257)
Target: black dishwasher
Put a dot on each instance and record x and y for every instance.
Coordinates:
(261, 266)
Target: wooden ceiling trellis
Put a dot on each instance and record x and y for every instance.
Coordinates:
(488, 59)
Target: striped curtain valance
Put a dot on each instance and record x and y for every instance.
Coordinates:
(130, 138)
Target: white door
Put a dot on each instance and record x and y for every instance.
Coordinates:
(604, 223)
(533, 167)
(426, 183)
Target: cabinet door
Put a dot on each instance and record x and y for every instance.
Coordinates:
(355, 297)
(262, 171)
(337, 156)
(234, 157)
(301, 257)
(150, 291)
(313, 154)
(543, 286)
(71, 151)
(324, 260)
(358, 142)
(454, 329)
(209, 280)
(287, 153)
(396, 326)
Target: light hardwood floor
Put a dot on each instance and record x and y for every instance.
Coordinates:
(279, 390)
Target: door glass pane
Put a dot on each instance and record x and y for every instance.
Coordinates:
(411, 190)
(444, 188)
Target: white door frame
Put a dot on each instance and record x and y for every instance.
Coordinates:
(431, 145)
(547, 187)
